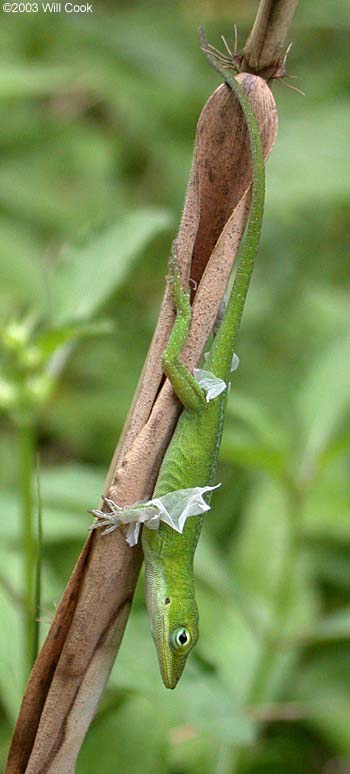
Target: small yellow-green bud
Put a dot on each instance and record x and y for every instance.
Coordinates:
(16, 335)
(8, 395)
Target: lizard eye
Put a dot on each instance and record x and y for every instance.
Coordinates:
(180, 639)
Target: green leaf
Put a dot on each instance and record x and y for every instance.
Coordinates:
(240, 448)
(5, 736)
(11, 640)
(306, 178)
(130, 739)
(71, 487)
(276, 600)
(88, 277)
(58, 524)
(244, 409)
(323, 400)
(265, 531)
(335, 626)
(30, 80)
(48, 341)
(21, 269)
(323, 683)
(211, 567)
(213, 710)
(68, 493)
(325, 505)
(332, 564)
(253, 438)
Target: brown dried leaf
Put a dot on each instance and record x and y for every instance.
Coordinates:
(70, 673)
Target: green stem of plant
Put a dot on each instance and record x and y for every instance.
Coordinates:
(38, 565)
(28, 539)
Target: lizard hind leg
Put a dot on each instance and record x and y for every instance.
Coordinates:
(183, 382)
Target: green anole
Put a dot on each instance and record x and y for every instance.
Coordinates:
(187, 472)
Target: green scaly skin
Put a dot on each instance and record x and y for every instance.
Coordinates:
(191, 457)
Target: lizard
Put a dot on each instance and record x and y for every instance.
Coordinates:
(186, 476)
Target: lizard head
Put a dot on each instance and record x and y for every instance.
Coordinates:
(173, 616)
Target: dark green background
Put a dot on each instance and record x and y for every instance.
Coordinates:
(98, 115)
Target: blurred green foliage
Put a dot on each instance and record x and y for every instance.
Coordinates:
(98, 119)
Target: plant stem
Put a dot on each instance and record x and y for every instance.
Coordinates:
(28, 542)
(38, 563)
(267, 38)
